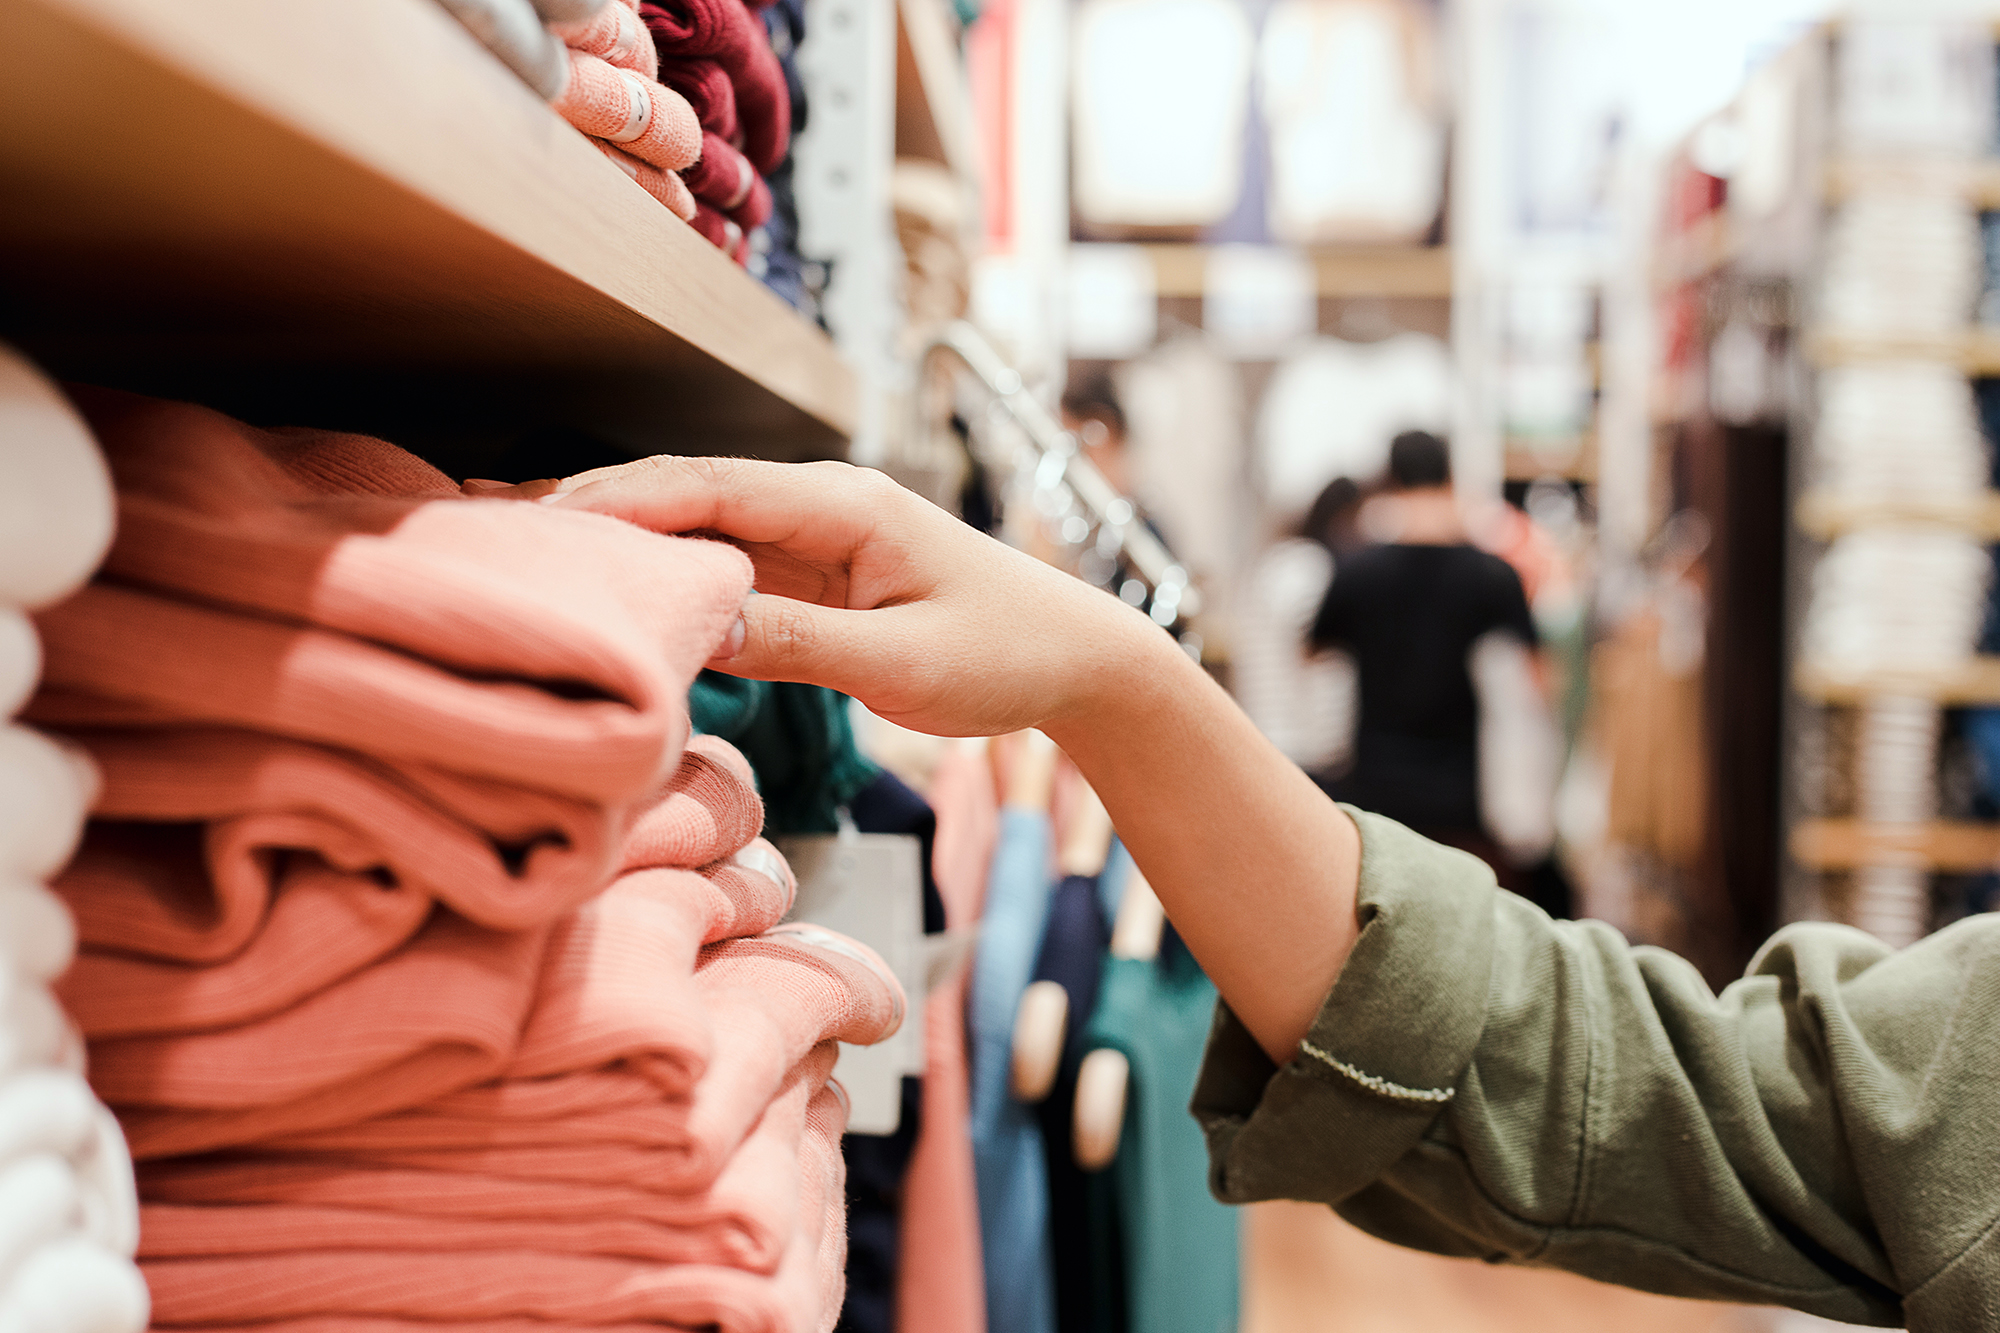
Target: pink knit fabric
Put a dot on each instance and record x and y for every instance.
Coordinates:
(647, 119)
(940, 1279)
(770, 1002)
(666, 187)
(726, 32)
(522, 1284)
(490, 638)
(443, 1012)
(725, 181)
(616, 36)
(276, 1204)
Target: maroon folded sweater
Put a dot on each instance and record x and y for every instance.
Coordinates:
(726, 32)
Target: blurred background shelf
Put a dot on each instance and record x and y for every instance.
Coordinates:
(1339, 272)
(194, 200)
(1976, 351)
(1827, 516)
(1943, 845)
(1976, 683)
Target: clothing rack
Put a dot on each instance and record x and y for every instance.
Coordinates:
(1052, 456)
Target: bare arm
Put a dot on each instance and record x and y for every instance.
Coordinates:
(874, 592)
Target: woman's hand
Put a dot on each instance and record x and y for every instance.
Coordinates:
(875, 592)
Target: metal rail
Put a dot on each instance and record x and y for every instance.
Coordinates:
(1060, 468)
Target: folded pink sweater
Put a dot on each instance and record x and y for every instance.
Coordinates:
(266, 1203)
(475, 1288)
(770, 1002)
(490, 638)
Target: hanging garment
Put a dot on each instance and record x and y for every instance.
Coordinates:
(1006, 1141)
(798, 740)
(1179, 1243)
(1333, 406)
(1187, 407)
(1357, 154)
(1159, 90)
(727, 32)
(776, 259)
(940, 1280)
(1073, 951)
(1303, 702)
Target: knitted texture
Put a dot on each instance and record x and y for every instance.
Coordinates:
(796, 737)
(646, 119)
(616, 36)
(726, 182)
(726, 32)
(664, 186)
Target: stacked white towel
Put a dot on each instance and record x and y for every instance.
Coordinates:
(69, 1215)
(1903, 265)
(1900, 431)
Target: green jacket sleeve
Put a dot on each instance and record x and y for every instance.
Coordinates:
(1489, 1083)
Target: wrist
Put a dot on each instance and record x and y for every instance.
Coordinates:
(1127, 672)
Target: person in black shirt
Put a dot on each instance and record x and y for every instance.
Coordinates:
(1410, 611)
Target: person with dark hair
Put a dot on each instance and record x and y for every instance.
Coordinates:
(1410, 611)
(1092, 412)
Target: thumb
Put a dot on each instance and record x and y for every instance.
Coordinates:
(786, 639)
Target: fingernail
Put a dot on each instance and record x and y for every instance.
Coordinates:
(733, 644)
(482, 484)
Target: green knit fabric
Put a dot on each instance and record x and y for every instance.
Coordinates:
(1483, 1081)
(798, 740)
(1179, 1244)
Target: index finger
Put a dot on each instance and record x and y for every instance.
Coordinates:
(822, 513)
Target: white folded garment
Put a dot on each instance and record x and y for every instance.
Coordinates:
(110, 1191)
(46, 791)
(73, 1285)
(34, 1031)
(38, 1203)
(47, 1112)
(56, 509)
(20, 660)
(37, 932)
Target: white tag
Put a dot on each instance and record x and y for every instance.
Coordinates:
(869, 886)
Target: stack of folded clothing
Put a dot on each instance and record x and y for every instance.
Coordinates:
(717, 54)
(433, 973)
(614, 95)
(68, 1217)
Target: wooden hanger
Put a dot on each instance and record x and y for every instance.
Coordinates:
(1106, 1075)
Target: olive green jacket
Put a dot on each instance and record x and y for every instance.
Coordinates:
(1485, 1082)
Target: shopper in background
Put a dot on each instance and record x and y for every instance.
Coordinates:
(1439, 1061)
(1091, 412)
(1410, 611)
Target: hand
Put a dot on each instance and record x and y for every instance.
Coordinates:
(875, 592)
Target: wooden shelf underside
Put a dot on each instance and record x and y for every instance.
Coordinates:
(1943, 845)
(1827, 516)
(348, 206)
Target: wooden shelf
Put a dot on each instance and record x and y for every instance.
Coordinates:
(1827, 517)
(1978, 182)
(1845, 844)
(1975, 351)
(933, 101)
(1975, 683)
(349, 206)
(1342, 272)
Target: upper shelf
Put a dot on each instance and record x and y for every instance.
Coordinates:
(1974, 683)
(1976, 351)
(349, 205)
(1339, 271)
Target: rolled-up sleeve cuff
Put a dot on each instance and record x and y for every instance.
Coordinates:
(1385, 1054)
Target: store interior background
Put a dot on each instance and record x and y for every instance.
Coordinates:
(1601, 247)
(1705, 295)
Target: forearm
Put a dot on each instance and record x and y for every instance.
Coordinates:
(1255, 866)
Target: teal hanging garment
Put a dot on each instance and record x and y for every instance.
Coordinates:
(797, 739)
